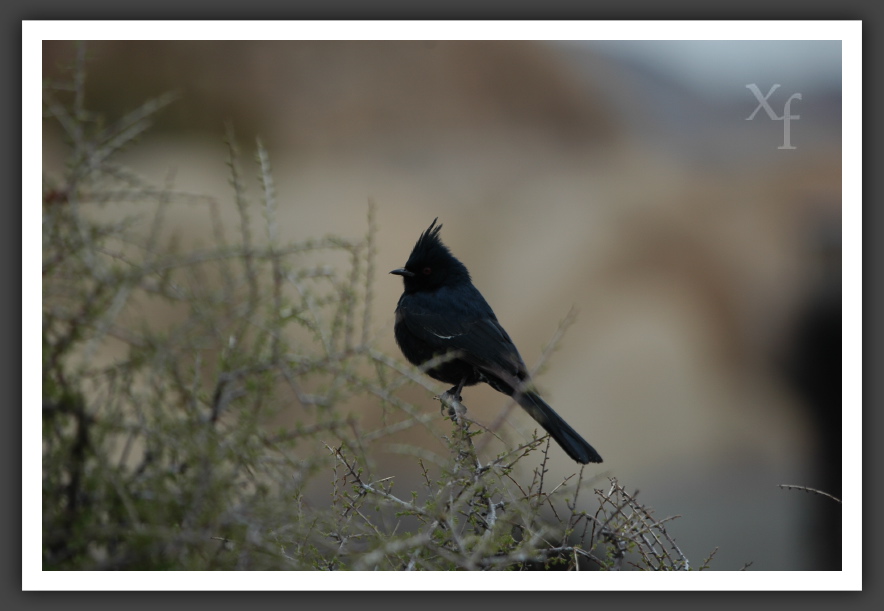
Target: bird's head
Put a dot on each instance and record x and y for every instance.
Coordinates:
(431, 265)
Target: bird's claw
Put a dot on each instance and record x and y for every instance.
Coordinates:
(452, 402)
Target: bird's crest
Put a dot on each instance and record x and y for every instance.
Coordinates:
(429, 242)
(429, 253)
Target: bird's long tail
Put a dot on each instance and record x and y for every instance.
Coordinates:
(574, 445)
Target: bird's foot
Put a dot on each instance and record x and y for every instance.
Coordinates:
(454, 393)
(452, 401)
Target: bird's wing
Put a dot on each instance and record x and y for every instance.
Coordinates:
(481, 341)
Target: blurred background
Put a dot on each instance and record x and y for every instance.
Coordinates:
(621, 178)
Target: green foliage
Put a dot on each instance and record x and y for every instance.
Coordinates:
(162, 442)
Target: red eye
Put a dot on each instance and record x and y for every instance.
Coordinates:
(426, 271)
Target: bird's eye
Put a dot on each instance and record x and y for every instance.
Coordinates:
(426, 271)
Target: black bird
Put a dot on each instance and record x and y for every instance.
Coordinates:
(441, 312)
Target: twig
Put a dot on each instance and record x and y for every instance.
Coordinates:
(813, 490)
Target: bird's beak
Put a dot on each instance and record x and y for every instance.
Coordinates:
(402, 272)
